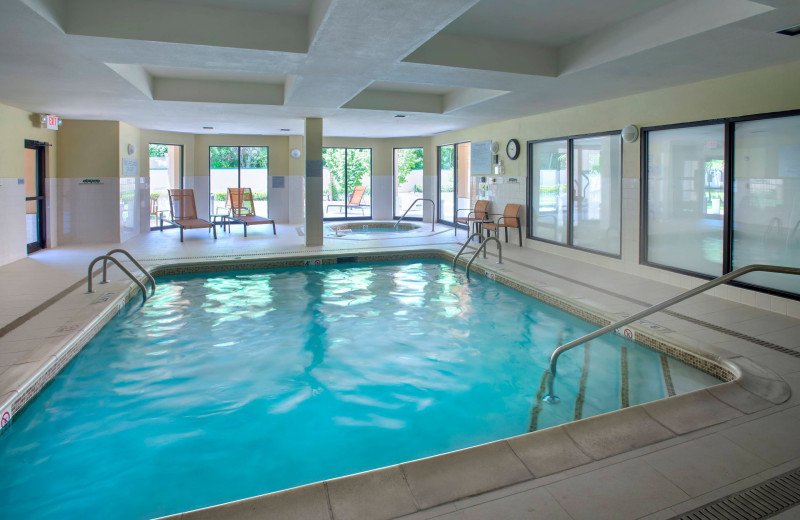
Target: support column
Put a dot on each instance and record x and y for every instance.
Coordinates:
(313, 155)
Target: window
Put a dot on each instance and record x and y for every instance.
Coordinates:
(346, 183)
(238, 167)
(576, 192)
(407, 182)
(766, 197)
(724, 194)
(684, 193)
(166, 173)
(455, 185)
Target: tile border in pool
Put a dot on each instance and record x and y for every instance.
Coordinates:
(422, 484)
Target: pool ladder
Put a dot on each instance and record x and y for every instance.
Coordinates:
(108, 257)
(550, 396)
(433, 217)
(481, 247)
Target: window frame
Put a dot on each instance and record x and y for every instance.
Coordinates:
(728, 206)
(394, 180)
(347, 217)
(570, 191)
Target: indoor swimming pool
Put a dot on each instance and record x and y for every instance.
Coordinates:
(230, 385)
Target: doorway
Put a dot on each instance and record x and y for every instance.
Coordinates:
(34, 165)
(408, 182)
(347, 183)
(238, 167)
(455, 184)
(166, 173)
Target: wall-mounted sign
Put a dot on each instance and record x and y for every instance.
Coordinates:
(481, 158)
(130, 167)
(49, 121)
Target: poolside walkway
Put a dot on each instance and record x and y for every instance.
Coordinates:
(654, 461)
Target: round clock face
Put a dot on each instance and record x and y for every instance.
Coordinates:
(512, 149)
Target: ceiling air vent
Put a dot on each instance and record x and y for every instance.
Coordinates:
(791, 31)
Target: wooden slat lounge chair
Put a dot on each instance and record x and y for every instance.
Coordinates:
(478, 215)
(240, 204)
(353, 203)
(509, 219)
(183, 212)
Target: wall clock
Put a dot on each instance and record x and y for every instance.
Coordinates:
(512, 149)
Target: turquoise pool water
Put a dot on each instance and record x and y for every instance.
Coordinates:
(229, 386)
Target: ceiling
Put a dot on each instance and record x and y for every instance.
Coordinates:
(260, 66)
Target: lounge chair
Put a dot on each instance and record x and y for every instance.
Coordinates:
(354, 203)
(183, 212)
(509, 219)
(240, 204)
(477, 216)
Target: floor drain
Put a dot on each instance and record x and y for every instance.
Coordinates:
(761, 501)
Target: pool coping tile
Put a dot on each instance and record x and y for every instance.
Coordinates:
(689, 412)
(379, 494)
(616, 432)
(459, 474)
(548, 451)
(308, 502)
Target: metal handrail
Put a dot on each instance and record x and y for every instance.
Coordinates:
(482, 247)
(433, 218)
(464, 247)
(123, 269)
(137, 264)
(550, 398)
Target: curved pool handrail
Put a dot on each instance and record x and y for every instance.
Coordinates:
(464, 247)
(482, 247)
(123, 269)
(655, 308)
(433, 218)
(137, 264)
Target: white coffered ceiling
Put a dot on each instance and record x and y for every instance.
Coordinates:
(259, 66)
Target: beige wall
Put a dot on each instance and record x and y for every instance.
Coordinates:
(90, 149)
(15, 127)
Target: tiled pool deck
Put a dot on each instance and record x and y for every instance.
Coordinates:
(653, 461)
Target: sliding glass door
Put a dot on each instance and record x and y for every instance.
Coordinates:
(346, 183)
(166, 173)
(407, 182)
(455, 184)
(238, 167)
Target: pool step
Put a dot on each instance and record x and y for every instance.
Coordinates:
(761, 501)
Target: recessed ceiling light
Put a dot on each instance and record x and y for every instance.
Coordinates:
(399, 115)
(208, 128)
(285, 130)
(791, 31)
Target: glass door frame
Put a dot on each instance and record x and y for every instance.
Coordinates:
(347, 191)
(181, 173)
(394, 181)
(455, 182)
(40, 197)
(238, 171)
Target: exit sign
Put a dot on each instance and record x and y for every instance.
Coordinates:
(52, 122)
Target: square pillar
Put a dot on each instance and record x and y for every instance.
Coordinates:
(313, 156)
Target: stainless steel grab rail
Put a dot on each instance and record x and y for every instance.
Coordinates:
(481, 247)
(123, 269)
(550, 398)
(464, 247)
(137, 264)
(433, 218)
